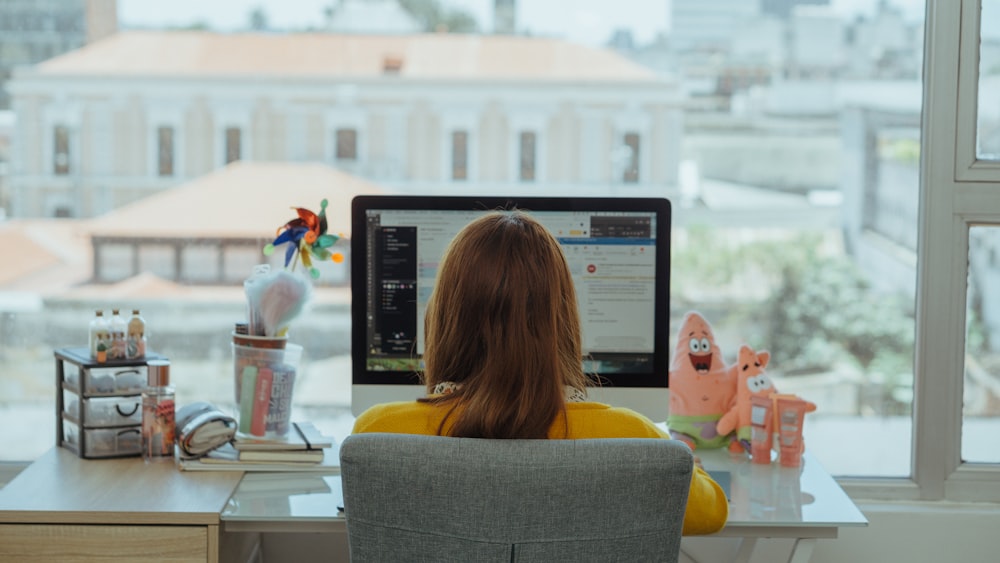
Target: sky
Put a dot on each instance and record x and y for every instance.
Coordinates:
(584, 21)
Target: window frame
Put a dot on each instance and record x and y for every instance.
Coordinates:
(957, 191)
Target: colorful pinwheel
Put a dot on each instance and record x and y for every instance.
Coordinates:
(306, 238)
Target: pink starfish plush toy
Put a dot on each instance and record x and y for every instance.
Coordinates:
(701, 386)
(751, 380)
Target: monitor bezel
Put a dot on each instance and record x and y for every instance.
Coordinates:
(360, 205)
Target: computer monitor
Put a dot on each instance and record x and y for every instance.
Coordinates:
(618, 250)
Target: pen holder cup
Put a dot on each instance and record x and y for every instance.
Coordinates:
(264, 379)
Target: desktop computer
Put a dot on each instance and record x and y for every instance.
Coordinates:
(618, 250)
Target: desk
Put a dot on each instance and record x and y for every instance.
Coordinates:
(770, 501)
(766, 501)
(64, 508)
(124, 508)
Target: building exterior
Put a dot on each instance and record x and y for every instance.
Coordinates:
(32, 31)
(708, 26)
(102, 127)
(228, 216)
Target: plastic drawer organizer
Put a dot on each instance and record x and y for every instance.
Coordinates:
(99, 405)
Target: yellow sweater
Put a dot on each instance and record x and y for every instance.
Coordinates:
(707, 508)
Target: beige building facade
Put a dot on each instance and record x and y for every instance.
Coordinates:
(141, 112)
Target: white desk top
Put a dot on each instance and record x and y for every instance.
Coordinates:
(783, 498)
(765, 500)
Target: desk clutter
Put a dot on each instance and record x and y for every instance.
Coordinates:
(208, 441)
(99, 403)
(714, 405)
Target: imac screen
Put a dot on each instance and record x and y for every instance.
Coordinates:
(618, 251)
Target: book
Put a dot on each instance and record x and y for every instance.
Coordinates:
(269, 483)
(297, 456)
(225, 458)
(261, 401)
(302, 436)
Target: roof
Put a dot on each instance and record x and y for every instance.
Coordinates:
(42, 254)
(311, 55)
(241, 200)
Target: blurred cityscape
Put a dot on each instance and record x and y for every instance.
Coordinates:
(146, 168)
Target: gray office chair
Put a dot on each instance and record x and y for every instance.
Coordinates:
(431, 498)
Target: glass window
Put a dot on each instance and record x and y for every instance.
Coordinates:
(233, 141)
(630, 158)
(787, 140)
(165, 151)
(347, 144)
(60, 150)
(988, 146)
(981, 393)
(527, 151)
(459, 155)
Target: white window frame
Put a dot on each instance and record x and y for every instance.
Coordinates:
(956, 191)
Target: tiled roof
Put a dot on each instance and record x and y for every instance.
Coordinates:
(32, 249)
(320, 55)
(242, 200)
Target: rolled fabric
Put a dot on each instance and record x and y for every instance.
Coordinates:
(202, 427)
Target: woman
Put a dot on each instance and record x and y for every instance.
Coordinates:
(502, 354)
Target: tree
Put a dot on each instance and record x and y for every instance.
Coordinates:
(434, 18)
(257, 19)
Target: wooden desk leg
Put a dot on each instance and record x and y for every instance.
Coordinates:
(802, 550)
(746, 550)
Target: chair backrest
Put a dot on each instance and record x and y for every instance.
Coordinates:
(432, 498)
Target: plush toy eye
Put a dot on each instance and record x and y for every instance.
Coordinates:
(693, 345)
(758, 383)
(705, 345)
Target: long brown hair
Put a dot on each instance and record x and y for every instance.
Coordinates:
(503, 323)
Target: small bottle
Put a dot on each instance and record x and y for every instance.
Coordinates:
(158, 413)
(136, 342)
(117, 325)
(98, 333)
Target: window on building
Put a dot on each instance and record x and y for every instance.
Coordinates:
(630, 171)
(165, 151)
(527, 151)
(233, 142)
(60, 151)
(459, 155)
(347, 144)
